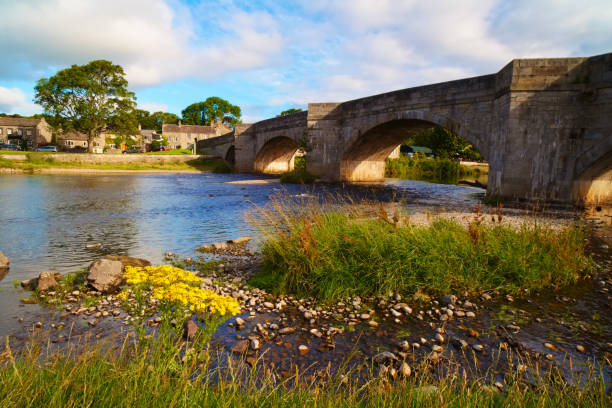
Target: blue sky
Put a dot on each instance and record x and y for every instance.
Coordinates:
(267, 56)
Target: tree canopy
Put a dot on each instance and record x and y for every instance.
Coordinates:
(444, 143)
(154, 120)
(289, 112)
(212, 109)
(88, 98)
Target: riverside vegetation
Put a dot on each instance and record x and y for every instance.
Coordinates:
(313, 249)
(439, 170)
(38, 161)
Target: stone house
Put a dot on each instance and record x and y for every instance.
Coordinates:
(185, 136)
(29, 133)
(78, 141)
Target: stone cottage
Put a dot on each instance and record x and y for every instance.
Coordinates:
(29, 133)
(184, 136)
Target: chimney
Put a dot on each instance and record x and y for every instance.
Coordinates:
(179, 123)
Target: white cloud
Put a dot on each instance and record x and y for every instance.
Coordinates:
(153, 107)
(14, 100)
(154, 42)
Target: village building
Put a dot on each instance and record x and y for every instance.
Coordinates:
(185, 136)
(29, 133)
(77, 141)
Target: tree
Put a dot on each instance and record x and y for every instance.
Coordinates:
(88, 98)
(211, 110)
(444, 143)
(289, 112)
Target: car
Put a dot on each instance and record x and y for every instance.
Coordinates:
(134, 149)
(5, 146)
(46, 149)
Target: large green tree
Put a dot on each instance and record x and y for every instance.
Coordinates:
(212, 109)
(88, 98)
(154, 120)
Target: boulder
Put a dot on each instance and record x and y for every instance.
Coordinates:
(105, 275)
(129, 260)
(4, 261)
(46, 281)
(239, 240)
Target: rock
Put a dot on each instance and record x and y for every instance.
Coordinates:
(460, 343)
(364, 316)
(395, 313)
(405, 370)
(240, 347)
(240, 322)
(436, 348)
(478, 347)
(220, 246)
(384, 357)
(269, 305)
(303, 349)
(4, 261)
(286, 330)
(580, 348)
(255, 344)
(92, 322)
(46, 281)
(239, 240)
(128, 260)
(93, 246)
(190, 329)
(373, 323)
(470, 314)
(449, 299)
(550, 346)
(439, 338)
(105, 275)
(485, 296)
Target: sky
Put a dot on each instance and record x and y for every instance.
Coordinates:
(270, 55)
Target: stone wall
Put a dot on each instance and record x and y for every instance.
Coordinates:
(113, 158)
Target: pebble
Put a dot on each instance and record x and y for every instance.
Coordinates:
(384, 357)
(549, 357)
(269, 305)
(449, 299)
(364, 316)
(303, 349)
(405, 370)
(478, 347)
(240, 321)
(470, 314)
(580, 348)
(436, 348)
(286, 330)
(255, 344)
(439, 338)
(549, 346)
(373, 323)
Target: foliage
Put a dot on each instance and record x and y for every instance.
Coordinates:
(154, 120)
(211, 110)
(299, 174)
(312, 251)
(419, 167)
(87, 98)
(289, 112)
(444, 143)
(156, 144)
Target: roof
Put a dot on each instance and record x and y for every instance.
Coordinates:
(72, 135)
(147, 132)
(9, 121)
(187, 128)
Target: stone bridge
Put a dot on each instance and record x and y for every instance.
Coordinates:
(544, 126)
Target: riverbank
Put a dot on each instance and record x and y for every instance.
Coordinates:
(77, 163)
(436, 170)
(498, 346)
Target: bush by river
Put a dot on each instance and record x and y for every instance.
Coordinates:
(434, 170)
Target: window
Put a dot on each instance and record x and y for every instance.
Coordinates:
(0, 131)
(29, 132)
(69, 143)
(176, 138)
(9, 131)
(84, 143)
(19, 132)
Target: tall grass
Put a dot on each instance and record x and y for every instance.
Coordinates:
(421, 168)
(311, 250)
(169, 373)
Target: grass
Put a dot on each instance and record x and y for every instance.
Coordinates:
(310, 250)
(435, 170)
(173, 151)
(163, 372)
(38, 161)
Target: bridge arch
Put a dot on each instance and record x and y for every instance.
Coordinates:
(375, 139)
(594, 185)
(230, 155)
(276, 156)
